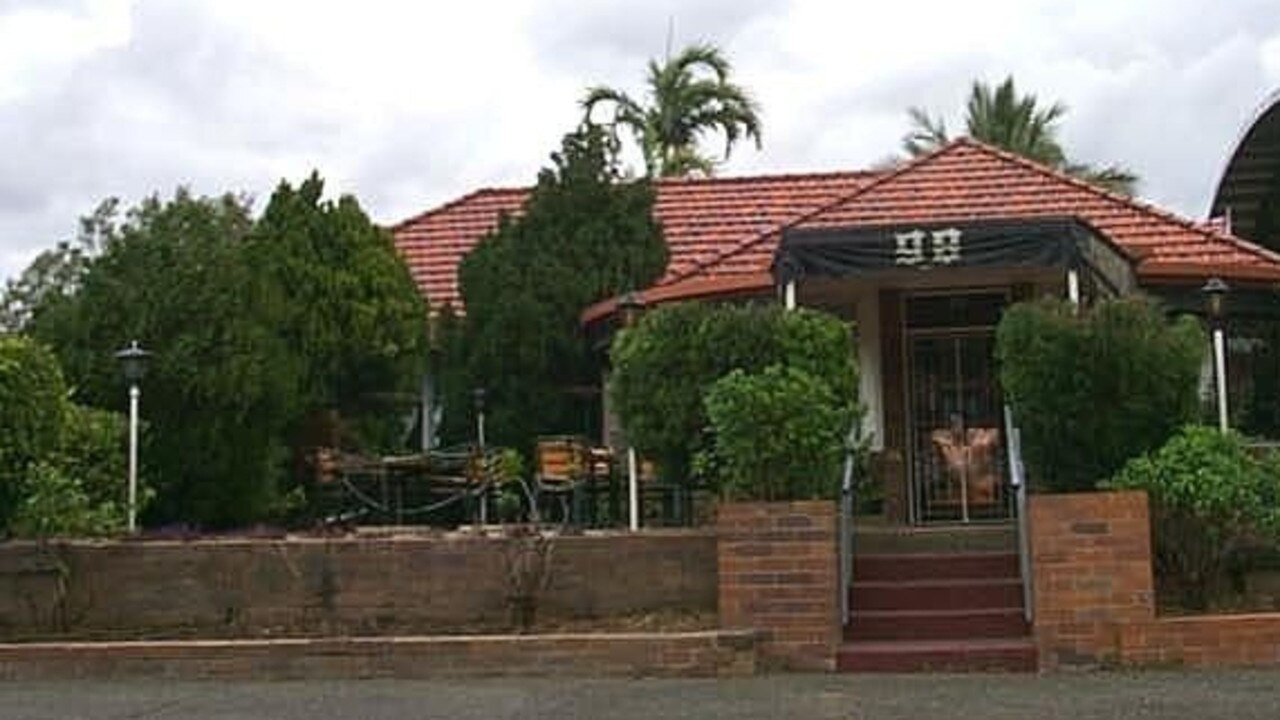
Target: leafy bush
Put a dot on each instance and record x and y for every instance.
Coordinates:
(94, 454)
(1209, 496)
(667, 363)
(1090, 391)
(55, 504)
(777, 434)
(32, 396)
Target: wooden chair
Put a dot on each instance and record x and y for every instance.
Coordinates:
(562, 463)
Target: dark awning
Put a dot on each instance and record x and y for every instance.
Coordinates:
(932, 247)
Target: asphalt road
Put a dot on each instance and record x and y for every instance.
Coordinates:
(1239, 695)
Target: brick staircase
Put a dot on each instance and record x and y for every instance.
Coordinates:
(945, 599)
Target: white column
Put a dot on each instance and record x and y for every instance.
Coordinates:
(134, 395)
(1220, 375)
(789, 295)
(1073, 287)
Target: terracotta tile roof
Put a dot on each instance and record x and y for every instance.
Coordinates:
(723, 232)
(968, 180)
(700, 218)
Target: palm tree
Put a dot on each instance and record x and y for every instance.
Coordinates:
(688, 95)
(1003, 118)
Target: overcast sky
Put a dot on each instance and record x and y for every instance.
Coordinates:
(409, 104)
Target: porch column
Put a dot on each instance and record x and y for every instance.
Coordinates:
(1073, 287)
(789, 295)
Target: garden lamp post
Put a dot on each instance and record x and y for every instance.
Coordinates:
(133, 364)
(631, 305)
(478, 400)
(1215, 291)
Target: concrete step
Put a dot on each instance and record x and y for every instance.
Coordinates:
(990, 655)
(1008, 622)
(920, 566)
(931, 594)
(880, 538)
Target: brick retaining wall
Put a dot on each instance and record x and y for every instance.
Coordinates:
(778, 574)
(351, 586)
(695, 654)
(1095, 599)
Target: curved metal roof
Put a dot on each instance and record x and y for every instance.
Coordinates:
(1252, 177)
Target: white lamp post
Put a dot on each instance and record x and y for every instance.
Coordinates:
(133, 364)
(631, 305)
(1215, 291)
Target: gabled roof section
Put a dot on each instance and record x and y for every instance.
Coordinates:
(967, 180)
(700, 219)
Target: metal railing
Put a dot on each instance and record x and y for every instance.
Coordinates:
(1018, 481)
(848, 489)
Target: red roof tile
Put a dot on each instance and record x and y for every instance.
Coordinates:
(968, 180)
(729, 228)
(700, 218)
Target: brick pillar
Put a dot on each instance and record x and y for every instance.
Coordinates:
(778, 574)
(1091, 564)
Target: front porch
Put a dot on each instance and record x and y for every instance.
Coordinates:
(925, 317)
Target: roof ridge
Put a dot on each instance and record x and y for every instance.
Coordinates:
(887, 176)
(460, 200)
(1209, 233)
(766, 176)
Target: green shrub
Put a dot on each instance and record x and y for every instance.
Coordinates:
(776, 435)
(1090, 391)
(1209, 497)
(95, 453)
(54, 504)
(32, 396)
(666, 364)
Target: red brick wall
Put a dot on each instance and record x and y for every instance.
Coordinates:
(1091, 564)
(337, 586)
(778, 574)
(1095, 600)
(1205, 641)
(698, 654)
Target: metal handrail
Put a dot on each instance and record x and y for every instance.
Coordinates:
(848, 487)
(1018, 479)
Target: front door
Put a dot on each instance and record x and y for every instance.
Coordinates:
(957, 459)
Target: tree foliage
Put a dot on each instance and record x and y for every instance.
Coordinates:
(253, 327)
(584, 235)
(689, 95)
(1091, 391)
(1018, 123)
(47, 285)
(32, 396)
(1209, 498)
(665, 366)
(350, 311)
(221, 385)
(778, 434)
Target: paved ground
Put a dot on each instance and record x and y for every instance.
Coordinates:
(1154, 695)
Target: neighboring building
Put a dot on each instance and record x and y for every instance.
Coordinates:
(924, 258)
(1247, 199)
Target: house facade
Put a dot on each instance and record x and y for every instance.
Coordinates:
(922, 259)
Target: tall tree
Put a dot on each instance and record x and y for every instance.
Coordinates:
(220, 389)
(584, 235)
(352, 315)
(54, 276)
(689, 95)
(1002, 117)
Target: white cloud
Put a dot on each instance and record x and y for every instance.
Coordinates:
(410, 104)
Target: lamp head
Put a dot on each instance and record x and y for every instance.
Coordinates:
(1215, 290)
(133, 362)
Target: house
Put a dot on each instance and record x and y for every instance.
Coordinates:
(923, 257)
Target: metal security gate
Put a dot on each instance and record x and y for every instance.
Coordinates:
(955, 413)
